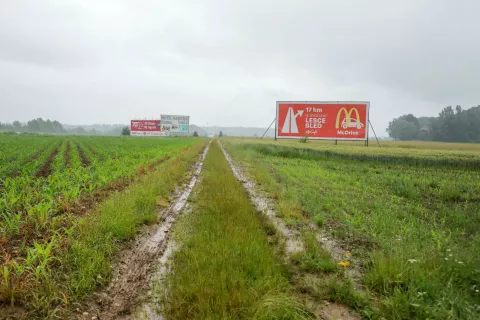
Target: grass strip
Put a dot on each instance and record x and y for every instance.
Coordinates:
(415, 230)
(225, 268)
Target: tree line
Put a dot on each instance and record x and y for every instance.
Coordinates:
(451, 125)
(34, 126)
(54, 127)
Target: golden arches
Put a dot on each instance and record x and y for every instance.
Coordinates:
(348, 116)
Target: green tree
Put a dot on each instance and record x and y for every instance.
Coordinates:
(220, 134)
(17, 126)
(405, 127)
(125, 131)
(451, 125)
(195, 134)
(403, 130)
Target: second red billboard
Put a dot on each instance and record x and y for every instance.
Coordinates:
(323, 120)
(146, 128)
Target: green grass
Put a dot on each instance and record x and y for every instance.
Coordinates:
(314, 258)
(224, 268)
(415, 228)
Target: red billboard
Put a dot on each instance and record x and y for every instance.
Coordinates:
(146, 128)
(323, 120)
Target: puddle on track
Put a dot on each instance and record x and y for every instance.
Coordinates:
(136, 265)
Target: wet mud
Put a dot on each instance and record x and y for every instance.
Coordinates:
(136, 265)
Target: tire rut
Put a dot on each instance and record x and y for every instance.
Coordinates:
(293, 240)
(135, 265)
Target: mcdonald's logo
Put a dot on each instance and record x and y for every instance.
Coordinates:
(348, 121)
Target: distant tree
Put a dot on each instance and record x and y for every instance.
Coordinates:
(79, 130)
(425, 121)
(125, 131)
(17, 126)
(451, 125)
(405, 127)
(403, 130)
(220, 134)
(195, 134)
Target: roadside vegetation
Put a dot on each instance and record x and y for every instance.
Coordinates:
(224, 267)
(60, 229)
(408, 221)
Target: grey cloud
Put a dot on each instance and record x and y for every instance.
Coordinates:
(226, 62)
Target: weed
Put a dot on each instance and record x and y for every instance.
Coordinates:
(314, 258)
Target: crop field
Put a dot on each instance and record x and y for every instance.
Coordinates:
(148, 228)
(402, 223)
(53, 250)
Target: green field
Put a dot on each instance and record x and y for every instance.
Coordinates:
(409, 217)
(387, 232)
(66, 200)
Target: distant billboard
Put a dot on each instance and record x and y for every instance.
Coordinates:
(340, 120)
(146, 128)
(173, 123)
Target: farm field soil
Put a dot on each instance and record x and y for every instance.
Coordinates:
(407, 221)
(224, 267)
(60, 230)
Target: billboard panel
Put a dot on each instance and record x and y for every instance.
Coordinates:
(340, 120)
(146, 128)
(173, 123)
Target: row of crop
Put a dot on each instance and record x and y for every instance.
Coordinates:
(32, 201)
(35, 212)
(20, 154)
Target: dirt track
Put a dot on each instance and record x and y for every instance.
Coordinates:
(136, 265)
(293, 242)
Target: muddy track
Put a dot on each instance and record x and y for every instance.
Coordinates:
(294, 243)
(83, 157)
(264, 205)
(135, 265)
(67, 155)
(46, 168)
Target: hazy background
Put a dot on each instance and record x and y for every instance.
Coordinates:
(225, 63)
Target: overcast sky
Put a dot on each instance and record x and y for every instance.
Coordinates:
(226, 62)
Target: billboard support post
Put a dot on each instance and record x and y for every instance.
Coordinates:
(275, 128)
(268, 128)
(374, 132)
